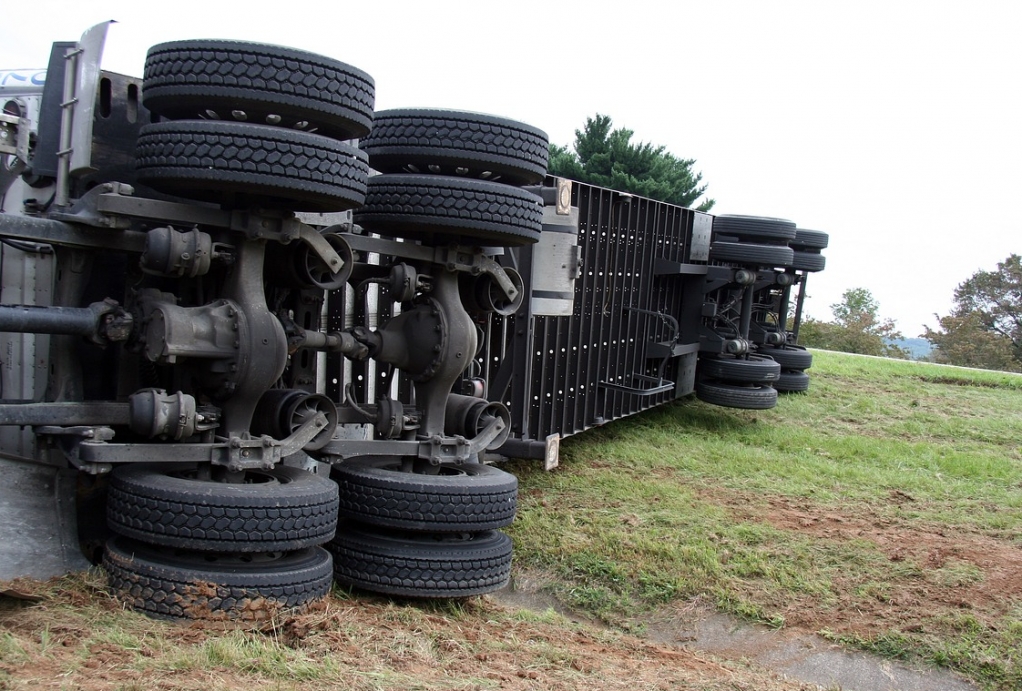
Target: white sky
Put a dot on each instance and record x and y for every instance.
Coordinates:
(894, 126)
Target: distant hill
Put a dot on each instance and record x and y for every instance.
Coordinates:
(918, 348)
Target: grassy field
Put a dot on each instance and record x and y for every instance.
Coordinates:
(883, 509)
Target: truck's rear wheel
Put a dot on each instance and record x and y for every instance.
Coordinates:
(456, 143)
(748, 397)
(755, 228)
(272, 510)
(258, 84)
(238, 164)
(469, 497)
(749, 369)
(750, 255)
(414, 565)
(176, 584)
(440, 208)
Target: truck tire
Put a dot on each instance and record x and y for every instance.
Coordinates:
(792, 381)
(456, 143)
(753, 369)
(436, 207)
(273, 510)
(808, 261)
(470, 497)
(750, 255)
(239, 164)
(259, 84)
(789, 357)
(748, 397)
(412, 565)
(170, 584)
(809, 240)
(755, 228)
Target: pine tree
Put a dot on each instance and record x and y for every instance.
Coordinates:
(607, 157)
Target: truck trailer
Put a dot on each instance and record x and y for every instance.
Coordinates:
(256, 336)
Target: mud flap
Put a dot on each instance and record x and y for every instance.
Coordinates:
(38, 526)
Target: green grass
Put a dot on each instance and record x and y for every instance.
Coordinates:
(687, 500)
(814, 514)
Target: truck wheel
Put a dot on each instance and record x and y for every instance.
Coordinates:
(750, 255)
(810, 240)
(414, 565)
(792, 381)
(456, 143)
(755, 228)
(469, 497)
(255, 165)
(437, 207)
(789, 357)
(756, 369)
(273, 510)
(749, 397)
(174, 584)
(259, 84)
(808, 261)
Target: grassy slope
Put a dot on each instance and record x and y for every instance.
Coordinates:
(75, 637)
(884, 509)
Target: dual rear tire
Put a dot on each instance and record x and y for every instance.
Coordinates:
(423, 535)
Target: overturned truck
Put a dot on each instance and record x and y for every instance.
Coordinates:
(256, 337)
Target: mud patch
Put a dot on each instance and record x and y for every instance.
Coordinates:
(70, 638)
(949, 571)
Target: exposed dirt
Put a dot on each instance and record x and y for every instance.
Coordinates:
(70, 634)
(948, 570)
(67, 634)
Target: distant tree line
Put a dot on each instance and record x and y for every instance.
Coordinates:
(857, 328)
(984, 328)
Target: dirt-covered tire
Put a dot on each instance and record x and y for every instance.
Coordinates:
(440, 208)
(422, 566)
(752, 369)
(810, 240)
(239, 164)
(457, 143)
(469, 497)
(755, 228)
(750, 255)
(808, 261)
(789, 357)
(792, 381)
(273, 510)
(748, 397)
(173, 584)
(259, 84)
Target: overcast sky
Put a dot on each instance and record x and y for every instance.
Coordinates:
(896, 127)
